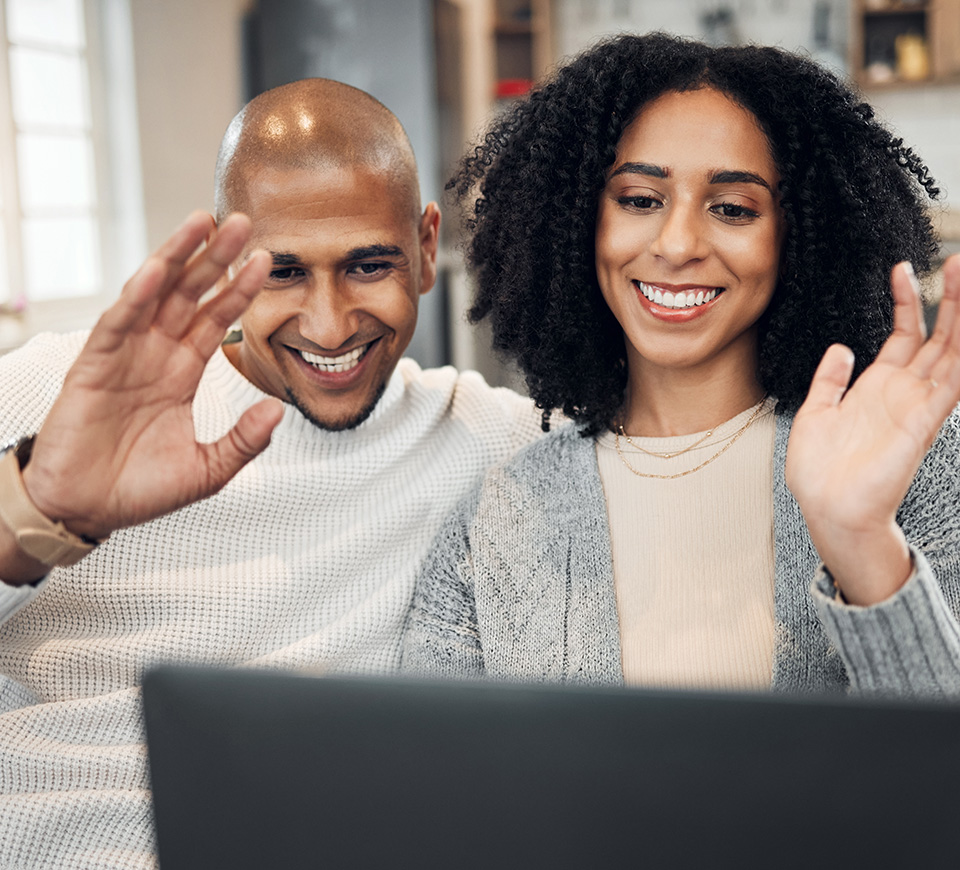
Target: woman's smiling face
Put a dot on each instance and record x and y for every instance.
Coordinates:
(689, 232)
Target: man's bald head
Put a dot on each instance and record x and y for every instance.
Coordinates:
(313, 123)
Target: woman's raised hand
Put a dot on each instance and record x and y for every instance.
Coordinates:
(854, 452)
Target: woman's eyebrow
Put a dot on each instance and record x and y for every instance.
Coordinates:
(717, 176)
(738, 176)
(650, 169)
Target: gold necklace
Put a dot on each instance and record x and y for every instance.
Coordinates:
(706, 462)
(636, 446)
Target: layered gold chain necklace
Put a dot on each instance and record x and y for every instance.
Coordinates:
(619, 433)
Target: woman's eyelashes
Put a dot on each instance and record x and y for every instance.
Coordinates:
(640, 203)
(732, 212)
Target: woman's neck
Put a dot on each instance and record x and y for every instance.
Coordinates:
(665, 403)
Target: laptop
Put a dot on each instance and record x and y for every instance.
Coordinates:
(253, 770)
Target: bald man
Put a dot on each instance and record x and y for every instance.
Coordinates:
(165, 527)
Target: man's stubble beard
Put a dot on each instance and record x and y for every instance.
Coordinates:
(350, 423)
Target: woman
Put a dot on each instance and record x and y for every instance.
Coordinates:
(672, 239)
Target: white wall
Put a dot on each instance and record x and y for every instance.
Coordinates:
(819, 27)
(187, 56)
(928, 119)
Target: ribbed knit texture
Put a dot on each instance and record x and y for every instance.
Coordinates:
(693, 556)
(305, 561)
(519, 584)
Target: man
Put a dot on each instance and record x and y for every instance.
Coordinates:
(304, 557)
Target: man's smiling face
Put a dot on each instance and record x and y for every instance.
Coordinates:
(351, 257)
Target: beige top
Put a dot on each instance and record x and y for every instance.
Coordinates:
(693, 556)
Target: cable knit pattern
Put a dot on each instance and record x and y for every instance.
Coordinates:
(519, 583)
(306, 561)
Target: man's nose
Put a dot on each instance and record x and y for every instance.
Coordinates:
(329, 315)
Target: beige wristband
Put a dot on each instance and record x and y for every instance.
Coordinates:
(37, 536)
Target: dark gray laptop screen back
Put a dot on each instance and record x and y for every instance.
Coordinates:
(252, 769)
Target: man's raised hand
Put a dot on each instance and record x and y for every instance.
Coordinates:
(119, 447)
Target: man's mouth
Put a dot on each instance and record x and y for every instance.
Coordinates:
(678, 298)
(343, 363)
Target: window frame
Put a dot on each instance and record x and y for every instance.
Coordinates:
(118, 210)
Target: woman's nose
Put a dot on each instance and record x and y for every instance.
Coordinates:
(680, 238)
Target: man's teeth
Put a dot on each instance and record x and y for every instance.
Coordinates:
(682, 299)
(335, 363)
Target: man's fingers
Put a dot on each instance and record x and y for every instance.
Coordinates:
(201, 273)
(141, 294)
(217, 315)
(909, 330)
(186, 238)
(242, 443)
(831, 379)
(210, 264)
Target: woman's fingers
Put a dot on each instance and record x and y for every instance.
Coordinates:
(940, 362)
(830, 380)
(909, 330)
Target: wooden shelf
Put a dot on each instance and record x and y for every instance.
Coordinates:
(904, 44)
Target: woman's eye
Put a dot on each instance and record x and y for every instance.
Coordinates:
(641, 203)
(734, 211)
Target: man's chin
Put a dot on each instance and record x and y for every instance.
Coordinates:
(335, 424)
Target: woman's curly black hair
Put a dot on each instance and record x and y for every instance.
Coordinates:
(853, 196)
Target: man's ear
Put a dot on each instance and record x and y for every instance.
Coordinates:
(429, 240)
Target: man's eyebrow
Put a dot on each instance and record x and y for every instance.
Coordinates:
(369, 251)
(285, 259)
(738, 176)
(641, 169)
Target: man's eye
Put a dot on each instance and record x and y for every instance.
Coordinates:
(285, 273)
(369, 269)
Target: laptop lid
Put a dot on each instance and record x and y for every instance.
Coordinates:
(255, 769)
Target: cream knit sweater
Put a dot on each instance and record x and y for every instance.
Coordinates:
(689, 619)
(305, 561)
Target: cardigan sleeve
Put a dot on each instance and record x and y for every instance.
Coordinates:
(909, 644)
(442, 637)
(906, 645)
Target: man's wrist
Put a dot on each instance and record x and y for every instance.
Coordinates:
(40, 540)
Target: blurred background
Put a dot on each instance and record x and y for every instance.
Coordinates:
(111, 112)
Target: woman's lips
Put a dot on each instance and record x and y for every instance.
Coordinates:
(677, 297)
(676, 304)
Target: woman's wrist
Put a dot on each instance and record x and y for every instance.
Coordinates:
(866, 567)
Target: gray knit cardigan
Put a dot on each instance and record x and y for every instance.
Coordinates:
(519, 583)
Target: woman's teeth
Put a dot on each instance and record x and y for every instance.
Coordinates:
(335, 363)
(681, 299)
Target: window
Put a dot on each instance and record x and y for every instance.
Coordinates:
(55, 175)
